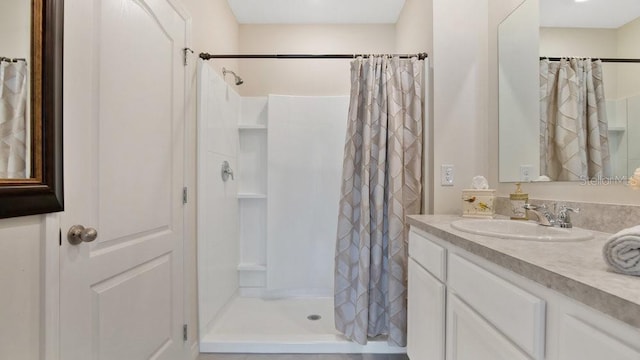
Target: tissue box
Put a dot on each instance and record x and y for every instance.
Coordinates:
(478, 203)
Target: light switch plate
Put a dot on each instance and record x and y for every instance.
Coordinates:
(446, 175)
(525, 173)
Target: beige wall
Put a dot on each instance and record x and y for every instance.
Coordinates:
(214, 30)
(414, 34)
(622, 79)
(628, 37)
(306, 77)
(414, 29)
(15, 21)
(460, 122)
(578, 42)
(582, 42)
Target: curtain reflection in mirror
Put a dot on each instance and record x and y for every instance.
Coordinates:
(13, 119)
(574, 142)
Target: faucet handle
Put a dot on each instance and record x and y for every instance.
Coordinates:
(566, 208)
(564, 218)
(528, 206)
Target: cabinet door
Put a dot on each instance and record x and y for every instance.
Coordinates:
(578, 340)
(470, 337)
(514, 312)
(426, 315)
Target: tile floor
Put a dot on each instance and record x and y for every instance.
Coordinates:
(303, 357)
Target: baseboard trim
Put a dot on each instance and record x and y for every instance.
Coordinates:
(317, 345)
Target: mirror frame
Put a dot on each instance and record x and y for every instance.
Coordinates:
(43, 193)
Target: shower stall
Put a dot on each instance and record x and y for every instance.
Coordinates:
(269, 177)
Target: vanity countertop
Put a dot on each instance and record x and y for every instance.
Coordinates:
(574, 269)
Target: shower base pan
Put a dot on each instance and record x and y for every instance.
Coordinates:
(290, 325)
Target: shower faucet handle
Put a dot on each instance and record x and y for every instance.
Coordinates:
(226, 171)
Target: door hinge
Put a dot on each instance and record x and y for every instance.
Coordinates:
(185, 54)
(184, 332)
(185, 195)
(59, 237)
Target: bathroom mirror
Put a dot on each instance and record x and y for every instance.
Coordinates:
(597, 29)
(30, 107)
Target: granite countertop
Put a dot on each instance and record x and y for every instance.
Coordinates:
(574, 269)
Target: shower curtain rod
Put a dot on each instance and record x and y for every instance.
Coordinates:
(205, 56)
(604, 60)
(2, 58)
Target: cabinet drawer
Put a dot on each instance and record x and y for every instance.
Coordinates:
(428, 254)
(519, 315)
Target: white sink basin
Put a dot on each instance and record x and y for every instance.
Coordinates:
(520, 230)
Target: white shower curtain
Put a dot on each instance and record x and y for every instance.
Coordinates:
(382, 183)
(13, 105)
(574, 142)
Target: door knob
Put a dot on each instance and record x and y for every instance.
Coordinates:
(78, 234)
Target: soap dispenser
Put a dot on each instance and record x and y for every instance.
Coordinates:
(518, 199)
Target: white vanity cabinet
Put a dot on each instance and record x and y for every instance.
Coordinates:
(453, 313)
(493, 313)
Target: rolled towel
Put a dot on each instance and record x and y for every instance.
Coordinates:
(622, 251)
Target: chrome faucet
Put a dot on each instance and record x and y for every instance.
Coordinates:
(543, 215)
(546, 218)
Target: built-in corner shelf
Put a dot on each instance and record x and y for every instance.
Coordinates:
(252, 127)
(617, 128)
(251, 267)
(251, 196)
(251, 276)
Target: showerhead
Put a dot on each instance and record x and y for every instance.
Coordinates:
(238, 79)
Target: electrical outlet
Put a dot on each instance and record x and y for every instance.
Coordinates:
(446, 175)
(525, 172)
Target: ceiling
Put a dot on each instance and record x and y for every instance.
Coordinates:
(317, 11)
(590, 14)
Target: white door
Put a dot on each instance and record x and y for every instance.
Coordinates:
(121, 296)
